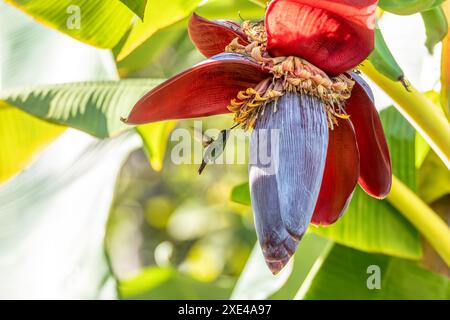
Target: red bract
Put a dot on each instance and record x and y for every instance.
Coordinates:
(319, 168)
(340, 176)
(203, 90)
(334, 35)
(211, 37)
(376, 173)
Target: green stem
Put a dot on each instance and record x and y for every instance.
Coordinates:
(445, 66)
(433, 228)
(423, 114)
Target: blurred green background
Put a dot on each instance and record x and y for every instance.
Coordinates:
(91, 208)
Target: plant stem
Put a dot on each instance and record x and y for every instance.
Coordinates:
(424, 115)
(445, 66)
(434, 229)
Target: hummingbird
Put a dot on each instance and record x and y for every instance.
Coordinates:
(214, 148)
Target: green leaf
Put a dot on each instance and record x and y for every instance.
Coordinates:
(137, 6)
(156, 283)
(406, 7)
(422, 150)
(22, 136)
(261, 3)
(53, 219)
(231, 10)
(170, 50)
(158, 14)
(401, 138)
(93, 107)
(374, 226)
(310, 251)
(155, 136)
(369, 224)
(101, 23)
(344, 274)
(241, 194)
(257, 282)
(156, 56)
(32, 54)
(433, 175)
(434, 178)
(436, 27)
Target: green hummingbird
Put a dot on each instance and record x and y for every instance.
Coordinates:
(214, 148)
